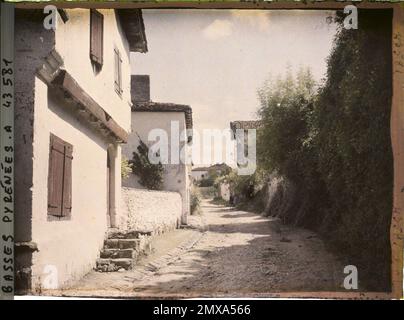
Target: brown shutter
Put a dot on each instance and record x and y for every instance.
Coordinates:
(116, 62)
(55, 176)
(96, 36)
(60, 177)
(67, 181)
(118, 71)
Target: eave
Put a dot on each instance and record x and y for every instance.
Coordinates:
(89, 109)
(133, 26)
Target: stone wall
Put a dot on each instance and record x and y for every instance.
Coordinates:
(149, 210)
(224, 191)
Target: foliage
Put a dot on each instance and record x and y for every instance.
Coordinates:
(287, 100)
(195, 200)
(150, 174)
(243, 188)
(352, 117)
(126, 168)
(213, 174)
(206, 182)
(207, 192)
(334, 144)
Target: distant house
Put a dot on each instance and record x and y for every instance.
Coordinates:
(241, 145)
(176, 121)
(202, 173)
(72, 113)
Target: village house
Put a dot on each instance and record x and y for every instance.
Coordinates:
(72, 113)
(240, 135)
(174, 120)
(200, 173)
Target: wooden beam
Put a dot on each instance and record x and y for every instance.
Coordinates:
(65, 82)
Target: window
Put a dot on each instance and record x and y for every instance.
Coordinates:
(118, 71)
(96, 37)
(60, 178)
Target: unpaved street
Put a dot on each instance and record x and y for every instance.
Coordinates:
(239, 253)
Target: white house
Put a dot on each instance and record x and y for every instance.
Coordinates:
(240, 135)
(200, 173)
(173, 119)
(72, 112)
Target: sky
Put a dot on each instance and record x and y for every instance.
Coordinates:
(215, 60)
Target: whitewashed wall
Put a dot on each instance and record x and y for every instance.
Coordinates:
(73, 44)
(71, 246)
(156, 211)
(224, 191)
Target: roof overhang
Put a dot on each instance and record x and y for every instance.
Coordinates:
(133, 26)
(89, 109)
(245, 125)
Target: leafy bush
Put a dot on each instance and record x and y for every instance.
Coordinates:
(126, 168)
(244, 189)
(150, 174)
(207, 182)
(195, 201)
(352, 117)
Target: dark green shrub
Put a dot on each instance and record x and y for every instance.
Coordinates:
(195, 201)
(150, 174)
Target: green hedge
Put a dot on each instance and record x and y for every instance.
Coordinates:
(334, 143)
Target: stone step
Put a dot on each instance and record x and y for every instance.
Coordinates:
(131, 234)
(122, 244)
(111, 265)
(118, 253)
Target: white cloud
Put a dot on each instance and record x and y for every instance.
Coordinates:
(218, 29)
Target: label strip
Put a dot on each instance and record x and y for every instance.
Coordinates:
(7, 152)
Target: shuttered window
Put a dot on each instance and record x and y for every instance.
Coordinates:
(96, 37)
(118, 71)
(60, 178)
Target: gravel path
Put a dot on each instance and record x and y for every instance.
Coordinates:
(238, 254)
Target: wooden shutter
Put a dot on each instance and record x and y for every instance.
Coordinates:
(55, 176)
(118, 71)
(67, 181)
(96, 36)
(60, 177)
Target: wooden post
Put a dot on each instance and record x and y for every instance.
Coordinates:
(397, 138)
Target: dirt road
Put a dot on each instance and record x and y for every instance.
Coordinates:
(239, 253)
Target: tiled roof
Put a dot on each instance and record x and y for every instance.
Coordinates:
(151, 106)
(251, 124)
(217, 166)
(201, 169)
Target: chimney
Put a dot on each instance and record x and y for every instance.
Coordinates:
(140, 88)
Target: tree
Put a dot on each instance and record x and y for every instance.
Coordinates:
(284, 143)
(150, 174)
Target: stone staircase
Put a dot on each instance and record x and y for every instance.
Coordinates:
(122, 250)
